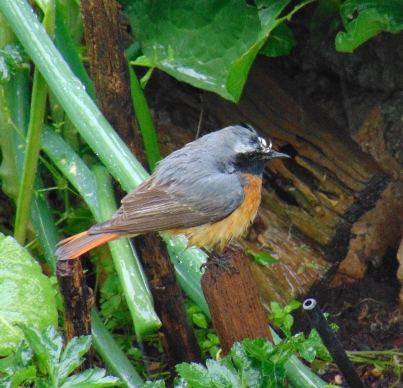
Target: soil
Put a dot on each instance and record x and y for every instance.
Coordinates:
(369, 320)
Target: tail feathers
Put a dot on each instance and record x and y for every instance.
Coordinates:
(77, 245)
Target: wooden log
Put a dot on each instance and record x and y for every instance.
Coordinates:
(329, 184)
(230, 291)
(77, 301)
(309, 203)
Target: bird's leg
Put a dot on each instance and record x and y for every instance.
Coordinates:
(215, 258)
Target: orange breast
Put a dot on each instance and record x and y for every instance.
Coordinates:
(218, 234)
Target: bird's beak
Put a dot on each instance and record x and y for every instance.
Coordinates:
(274, 154)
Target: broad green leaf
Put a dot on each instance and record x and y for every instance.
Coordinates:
(363, 19)
(26, 295)
(249, 376)
(196, 375)
(307, 351)
(258, 349)
(262, 258)
(315, 341)
(19, 358)
(209, 44)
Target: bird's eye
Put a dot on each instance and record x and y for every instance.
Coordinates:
(250, 156)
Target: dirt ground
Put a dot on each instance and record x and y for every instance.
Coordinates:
(369, 320)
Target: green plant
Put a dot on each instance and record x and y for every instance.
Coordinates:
(253, 363)
(281, 315)
(364, 19)
(381, 360)
(206, 337)
(40, 361)
(210, 45)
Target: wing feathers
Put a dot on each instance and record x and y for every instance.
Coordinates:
(154, 208)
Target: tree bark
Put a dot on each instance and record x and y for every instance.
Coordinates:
(231, 293)
(77, 301)
(109, 70)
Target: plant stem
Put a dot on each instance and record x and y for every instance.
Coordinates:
(32, 149)
(145, 121)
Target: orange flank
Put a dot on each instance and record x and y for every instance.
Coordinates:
(218, 234)
(75, 246)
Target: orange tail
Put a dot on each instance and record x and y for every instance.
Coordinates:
(81, 243)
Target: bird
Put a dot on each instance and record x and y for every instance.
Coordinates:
(209, 191)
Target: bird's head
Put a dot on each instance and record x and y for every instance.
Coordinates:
(245, 150)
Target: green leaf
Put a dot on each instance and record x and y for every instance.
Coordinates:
(280, 42)
(155, 384)
(26, 295)
(200, 320)
(263, 258)
(275, 372)
(258, 349)
(16, 367)
(221, 375)
(72, 356)
(315, 341)
(363, 19)
(196, 375)
(19, 358)
(47, 346)
(307, 351)
(10, 60)
(288, 321)
(249, 376)
(91, 378)
(293, 305)
(196, 42)
(210, 45)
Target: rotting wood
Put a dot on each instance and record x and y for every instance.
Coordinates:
(329, 184)
(231, 293)
(309, 203)
(109, 70)
(179, 338)
(77, 301)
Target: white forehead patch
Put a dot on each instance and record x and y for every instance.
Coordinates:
(243, 148)
(263, 142)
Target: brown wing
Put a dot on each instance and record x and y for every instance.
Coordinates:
(174, 204)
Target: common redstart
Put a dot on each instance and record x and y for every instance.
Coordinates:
(209, 190)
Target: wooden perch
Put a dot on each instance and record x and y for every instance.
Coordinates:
(230, 291)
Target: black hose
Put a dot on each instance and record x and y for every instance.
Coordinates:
(332, 344)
